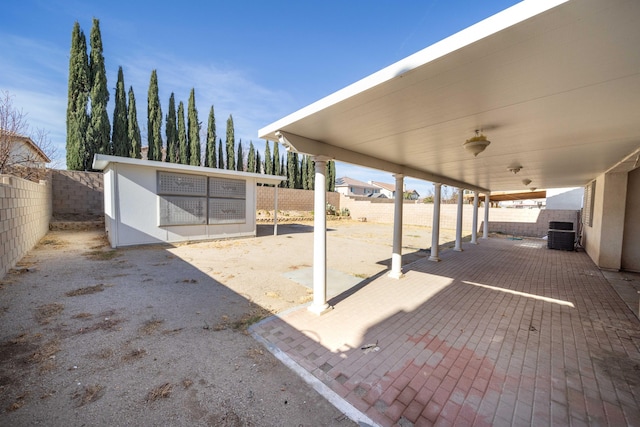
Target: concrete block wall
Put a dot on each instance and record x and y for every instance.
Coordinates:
(25, 212)
(77, 193)
(519, 222)
(291, 199)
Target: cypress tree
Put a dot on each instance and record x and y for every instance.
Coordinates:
(311, 174)
(268, 160)
(331, 176)
(154, 120)
(240, 165)
(277, 168)
(303, 173)
(77, 100)
(231, 143)
(283, 171)
(120, 135)
(133, 129)
(210, 159)
(99, 132)
(258, 163)
(220, 155)
(251, 158)
(183, 143)
(194, 131)
(171, 131)
(291, 171)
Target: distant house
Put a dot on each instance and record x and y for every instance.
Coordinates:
(353, 187)
(389, 190)
(20, 151)
(411, 195)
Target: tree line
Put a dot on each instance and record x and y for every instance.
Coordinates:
(89, 130)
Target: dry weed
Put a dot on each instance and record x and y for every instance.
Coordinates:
(255, 353)
(150, 326)
(105, 325)
(82, 316)
(44, 313)
(100, 255)
(46, 352)
(161, 392)
(86, 290)
(90, 394)
(186, 383)
(20, 401)
(52, 242)
(105, 353)
(134, 354)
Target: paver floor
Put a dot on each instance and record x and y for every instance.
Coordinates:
(505, 333)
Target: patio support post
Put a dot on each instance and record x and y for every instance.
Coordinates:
(319, 304)
(396, 256)
(275, 210)
(485, 227)
(458, 247)
(435, 230)
(474, 226)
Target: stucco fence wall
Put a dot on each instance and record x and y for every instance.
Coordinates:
(25, 211)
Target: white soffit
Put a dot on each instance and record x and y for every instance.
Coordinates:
(555, 86)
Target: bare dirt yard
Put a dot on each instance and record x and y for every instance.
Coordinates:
(157, 335)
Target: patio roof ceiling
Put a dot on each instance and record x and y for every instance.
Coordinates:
(553, 84)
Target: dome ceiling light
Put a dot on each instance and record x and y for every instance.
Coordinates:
(477, 144)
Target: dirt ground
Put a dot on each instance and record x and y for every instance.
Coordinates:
(156, 335)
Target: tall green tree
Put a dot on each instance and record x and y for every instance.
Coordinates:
(311, 173)
(77, 100)
(291, 171)
(194, 131)
(331, 176)
(133, 128)
(120, 135)
(258, 163)
(99, 131)
(183, 142)
(303, 173)
(154, 120)
(171, 131)
(231, 144)
(251, 158)
(210, 159)
(220, 154)
(276, 160)
(268, 160)
(240, 165)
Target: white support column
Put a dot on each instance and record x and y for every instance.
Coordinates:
(396, 256)
(435, 231)
(474, 226)
(459, 221)
(485, 227)
(275, 210)
(319, 304)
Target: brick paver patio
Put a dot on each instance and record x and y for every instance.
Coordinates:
(507, 332)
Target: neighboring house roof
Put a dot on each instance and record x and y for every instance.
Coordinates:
(384, 186)
(26, 143)
(345, 181)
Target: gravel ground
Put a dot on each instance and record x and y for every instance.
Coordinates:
(156, 335)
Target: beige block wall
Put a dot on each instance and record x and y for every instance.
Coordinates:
(25, 211)
(77, 193)
(291, 199)
(631, 240)
(519, 222)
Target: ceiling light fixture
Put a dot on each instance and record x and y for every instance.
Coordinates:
(533, 189)
(477, 144)
(514, 169)
(526, 181)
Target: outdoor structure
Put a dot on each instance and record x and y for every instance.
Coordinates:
(153, 202)
(542, 95)
(353, 187)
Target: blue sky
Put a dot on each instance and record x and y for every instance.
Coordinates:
(257, 60)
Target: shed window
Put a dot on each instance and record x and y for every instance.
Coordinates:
(589, 199)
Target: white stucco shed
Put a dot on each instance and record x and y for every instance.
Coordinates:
(154, 202)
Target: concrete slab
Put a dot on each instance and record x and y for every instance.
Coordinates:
(337, 281)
